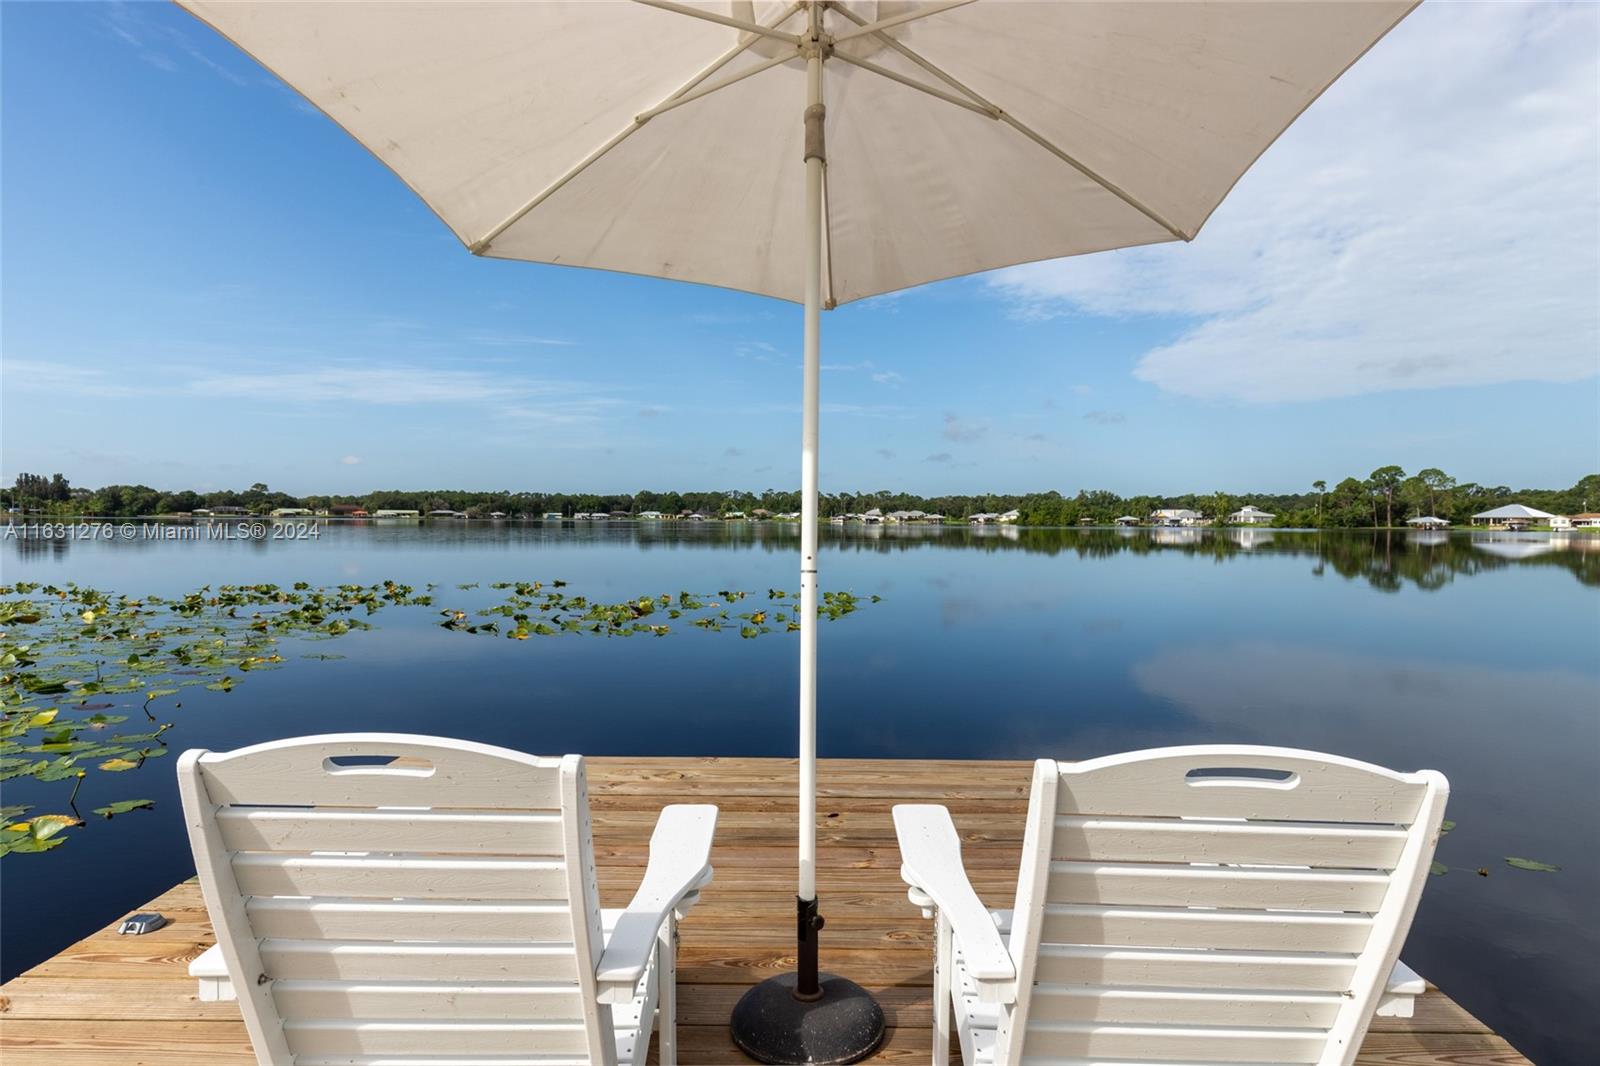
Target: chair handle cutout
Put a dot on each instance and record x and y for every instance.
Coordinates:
(1241, 777)
(396, 765)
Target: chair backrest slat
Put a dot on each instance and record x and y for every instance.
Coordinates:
(1217, 903)
(381, 894)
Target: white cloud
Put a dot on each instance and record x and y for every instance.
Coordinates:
(377, 385)
(960, 431)
(554, 402)
(1432, 221)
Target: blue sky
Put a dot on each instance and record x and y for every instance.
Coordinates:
(206, 284)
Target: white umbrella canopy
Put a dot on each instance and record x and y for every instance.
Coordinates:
(817, 152)
(1121, 124)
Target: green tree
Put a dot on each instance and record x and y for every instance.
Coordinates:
(1439, 485)
(1385, 481)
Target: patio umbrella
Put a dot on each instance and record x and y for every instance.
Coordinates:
(815, 152)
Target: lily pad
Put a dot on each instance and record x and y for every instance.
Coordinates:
(1531, 864)
(118, 765)
(111, 810)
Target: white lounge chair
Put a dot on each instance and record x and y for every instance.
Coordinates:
(1217, 904)
(379, 895)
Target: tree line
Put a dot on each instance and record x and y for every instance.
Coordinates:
(1386, 497)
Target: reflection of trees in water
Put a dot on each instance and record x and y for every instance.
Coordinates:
(1386, 559)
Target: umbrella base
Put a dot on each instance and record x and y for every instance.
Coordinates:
(844, 1025)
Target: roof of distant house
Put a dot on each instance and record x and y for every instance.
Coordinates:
(1515, 510)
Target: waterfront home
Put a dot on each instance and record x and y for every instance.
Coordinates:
(1086, 520)
(1586, 520)
(552, 516)
(1127, 520)
(905, 516)
(445, 513)
(291, 512)
(734, 516)
(873, 517)
(1428, 522)
(761, 514)
(624, 515)
(497, 514)
(982, 518)
(936, 519)
(1009, 517)
(396, 512)
(1560, 523)
(837, 520)
(342, 510)
(222, 511)
(1251, 515)
(1511, 516)
(1174, 516)
(694, 516)
(650, 516)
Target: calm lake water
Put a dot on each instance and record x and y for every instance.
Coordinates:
(1474, 654)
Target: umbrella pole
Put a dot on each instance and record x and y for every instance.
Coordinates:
(809, 1017)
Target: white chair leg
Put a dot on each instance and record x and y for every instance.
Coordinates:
(943, 965)
(667, 997)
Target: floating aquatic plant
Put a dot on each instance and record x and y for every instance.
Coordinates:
(69, 654)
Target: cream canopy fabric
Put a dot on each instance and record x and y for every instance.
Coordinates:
(1047, 129)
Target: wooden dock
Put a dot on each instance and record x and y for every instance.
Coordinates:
(128, 1001)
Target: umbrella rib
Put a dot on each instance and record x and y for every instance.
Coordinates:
(481, 245)
(726, 20)
(949, 98)
(984, 106)
(689, 98)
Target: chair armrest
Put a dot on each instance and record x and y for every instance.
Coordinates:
(211, 972)
(930, 861)
(1400, 992)
(679, 866)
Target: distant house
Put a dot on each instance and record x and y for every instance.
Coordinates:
(837, 520)
(620, 514)
(694, 516)
(1511, 516)
(873, 517)
(344, 510)
(1428, 522)
(1586, 520)
(396, 512)
(224, 511)
(1251, 515)
(497, 514)
(1174, 516)
(290, 512)
(650, 516)
(734, 516)
(761, 514)
(1009, 517)
(1127, 520)
(1560, 522)
(936, 519)
(905, 516)
(552, 516)
(1086, 520)
(444, 513)
(983, 518)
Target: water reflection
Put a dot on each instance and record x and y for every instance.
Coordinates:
(1384, 559)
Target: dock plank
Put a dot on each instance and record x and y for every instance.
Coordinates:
(135, 1004)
